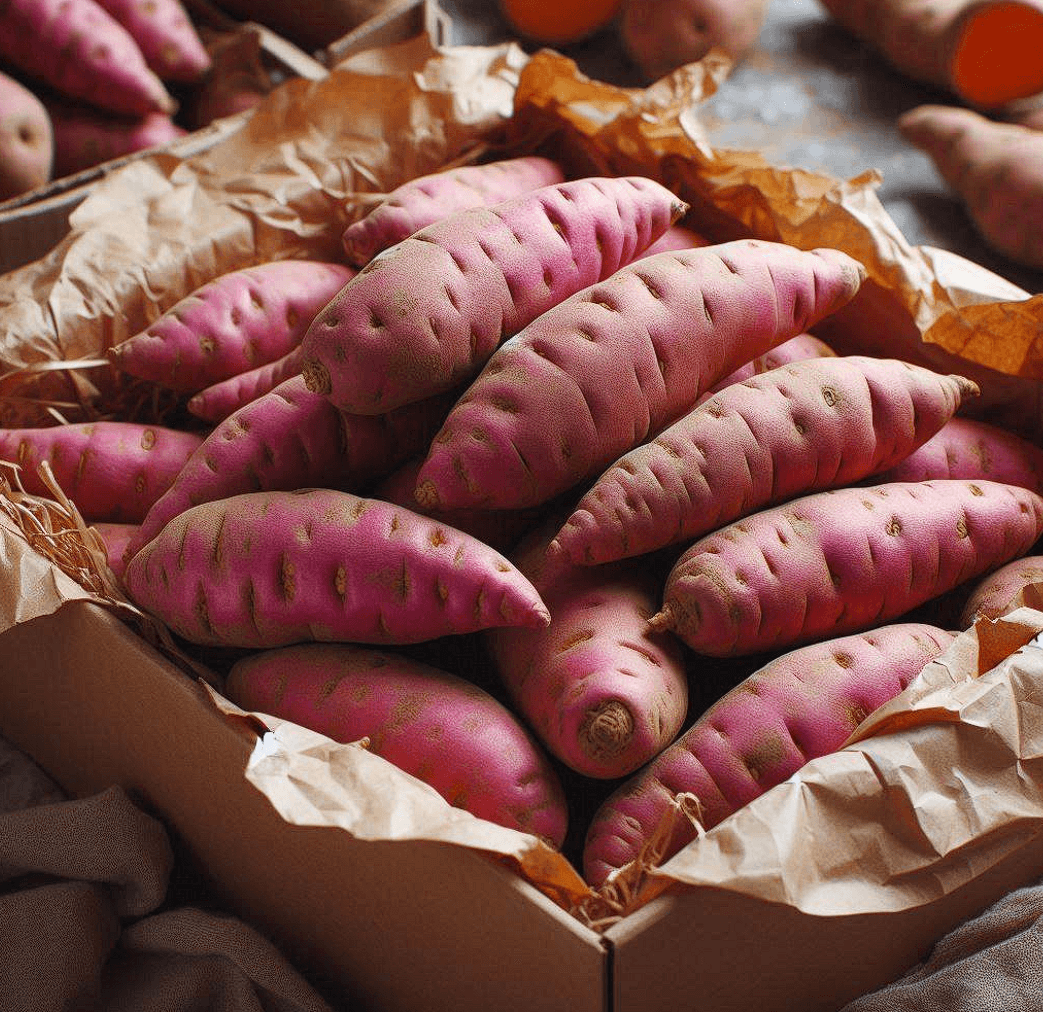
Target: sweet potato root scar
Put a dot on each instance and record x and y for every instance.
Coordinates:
(606, 731)
(316, 377)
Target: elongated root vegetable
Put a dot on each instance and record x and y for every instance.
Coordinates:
(236, 322)
(677, 237)
(796, 349)
(115, 537)
(662, 35)
(427, 313)
(599, 373)
(434, 725)
(82, 51)
(423, 201)
(219, 400)
(986, 52)
(992, 596)
(797, 707)
(165, 35)
(267, 569)
(602, 692)
(971, 448)
(500, 528)
(800, 428)
(112, 471)
(85, 137)
(26, 139)
(996, 169)
(841, 561)
(291, 438)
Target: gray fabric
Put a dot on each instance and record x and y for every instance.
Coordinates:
(991, 963)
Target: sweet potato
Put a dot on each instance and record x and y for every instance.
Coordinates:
(803, 427)
(677, 237)
(26, 139)
(995, 168)
(558, 22)
(424, 315)
(115, 537)
(993, 594)
(291, 438)
(85, 137)
(796, 349)
(985, 52)
(662, 35)
(80, 50)
(800, 705)
(267, 569)
(971, 448)
(837, 562)
(238, 321)
(500, 528)
(426, 199)
(602, 691)
(111, 470)
(604, 370)
(216, 402)
(434, 725)
(165, 35)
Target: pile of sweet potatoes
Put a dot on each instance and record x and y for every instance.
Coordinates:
(558, 504)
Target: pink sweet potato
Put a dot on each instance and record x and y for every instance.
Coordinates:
(425, 314)
(165, 35)
(26, 139)
(603, 692)
(796, 349)
(837, 562)
(804, 427)
(996, 170)
(291, 438)
(993, 595)
(607, 368)
(216, 402)
(970, 448)
(266, 569)
(434, 725)
(677, 237)
(85, 137)
(236, 322)
(801, 705)
(111, 470)
(80, 50)
(115, 537)
(423, 201)
(500, 528)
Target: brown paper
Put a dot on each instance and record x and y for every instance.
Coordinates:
(948, 781)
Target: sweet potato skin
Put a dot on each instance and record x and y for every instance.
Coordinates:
(800, 428)
(100, 62)
(267, 569)
(425, 314)
(972, 448)
(423, 201)
(291, 438)
(995, 168)
(800, 705)
(600, 372)
(237, 321)
(26, 139)
(841, 561)
(992, 596)
(112, 470)
(434, 725)
(602, 692)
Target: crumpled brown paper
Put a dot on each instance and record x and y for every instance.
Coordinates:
(884, 824)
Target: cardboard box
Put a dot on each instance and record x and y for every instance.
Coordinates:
(405, 925)
(401, 924)
(32, 223)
